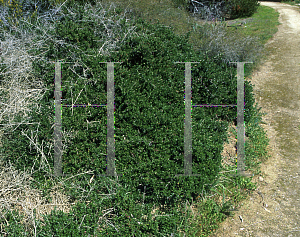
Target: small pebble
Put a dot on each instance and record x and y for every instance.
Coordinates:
(260, 179)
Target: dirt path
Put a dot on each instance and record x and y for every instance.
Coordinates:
(277, 211)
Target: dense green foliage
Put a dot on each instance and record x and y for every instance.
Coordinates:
(242, 8)
(149, 102)
(152, 110)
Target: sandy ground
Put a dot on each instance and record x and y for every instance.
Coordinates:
(277, 211)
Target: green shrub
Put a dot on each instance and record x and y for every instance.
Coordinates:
(181, 3)
(149, 64)
(242, 8)
(15, 227)
(149, 96)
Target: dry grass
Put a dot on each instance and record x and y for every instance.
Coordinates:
(16, 194)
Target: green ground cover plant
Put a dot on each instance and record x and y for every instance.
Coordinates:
(243, 8)
(124, 206)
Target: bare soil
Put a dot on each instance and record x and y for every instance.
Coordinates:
(274, 209)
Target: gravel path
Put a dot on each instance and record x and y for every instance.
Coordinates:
(274, 209)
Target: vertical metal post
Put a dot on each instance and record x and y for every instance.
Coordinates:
(188, 121)
(110, 171)
(57, 128)
(188, 151)
(240, 119)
